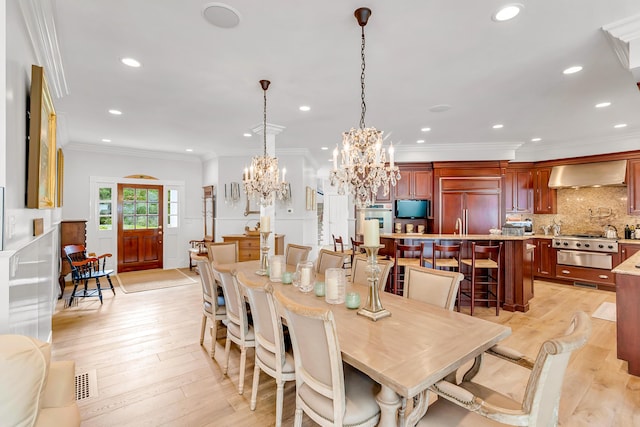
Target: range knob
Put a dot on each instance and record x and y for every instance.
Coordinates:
(601, 246)
(565, 243)
(586, 245)
(578, 245)
(610, 246)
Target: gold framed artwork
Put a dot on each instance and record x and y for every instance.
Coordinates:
(41, 166)
(60, 178)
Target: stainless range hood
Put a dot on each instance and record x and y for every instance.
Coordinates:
(611, 173)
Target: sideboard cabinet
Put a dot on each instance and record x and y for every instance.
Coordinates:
(249, 245)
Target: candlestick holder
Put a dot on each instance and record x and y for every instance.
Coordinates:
(373, 308)
(264, 253)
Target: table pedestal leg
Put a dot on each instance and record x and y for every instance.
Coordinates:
(389, 403)
(420, 405)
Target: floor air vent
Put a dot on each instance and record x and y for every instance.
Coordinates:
(585, 285)
(86, 385)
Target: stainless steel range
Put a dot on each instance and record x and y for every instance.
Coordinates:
(586, 251)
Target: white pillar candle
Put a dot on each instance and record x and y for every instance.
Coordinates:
(305, 277)
(332, 288)
(276, 269)
(371, 232)
(265, 224)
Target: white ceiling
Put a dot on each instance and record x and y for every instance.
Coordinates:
(198, 85)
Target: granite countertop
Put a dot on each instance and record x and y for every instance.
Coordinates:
(452, 236)
(629, 266)
(629, 241)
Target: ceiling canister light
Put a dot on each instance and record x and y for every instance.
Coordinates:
(362, 169)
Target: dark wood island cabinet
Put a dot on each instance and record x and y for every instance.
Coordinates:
(627, 313)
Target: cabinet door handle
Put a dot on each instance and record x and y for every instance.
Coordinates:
(566, 272)
(603, 276)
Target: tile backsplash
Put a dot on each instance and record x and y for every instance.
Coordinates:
(589, 210)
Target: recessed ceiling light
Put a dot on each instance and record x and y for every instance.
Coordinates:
(246, 135)
(115, 112)
(304, 108)
(440, 108)
(507, 12)
(420, 141)
(105, 140)
(620, 125)
(498, 126)
(130, 62)
(324, 148)
(603, 104)
(573, 69)
(425, 129)
(220, 15)
(189, 150)
(536, 139)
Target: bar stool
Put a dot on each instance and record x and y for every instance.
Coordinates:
(485, 277)
(405, 255)
(445, 257)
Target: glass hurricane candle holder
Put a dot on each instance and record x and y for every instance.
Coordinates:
(335, 283)
(277, 267)
(305, 277)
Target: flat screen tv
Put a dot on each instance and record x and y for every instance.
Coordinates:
(412, 209)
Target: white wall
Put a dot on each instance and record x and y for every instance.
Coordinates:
(291, 219)
(19, 58)
(82, 162)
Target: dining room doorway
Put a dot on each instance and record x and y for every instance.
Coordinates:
(140, 234)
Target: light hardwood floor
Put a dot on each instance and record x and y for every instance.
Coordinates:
(151, 370)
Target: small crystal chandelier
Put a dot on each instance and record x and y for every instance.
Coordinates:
(362, 168)
(262, 179)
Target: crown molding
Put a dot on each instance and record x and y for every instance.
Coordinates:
(130, 152)
(624, 37)
(41, 26)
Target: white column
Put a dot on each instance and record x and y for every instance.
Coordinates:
(269, 211)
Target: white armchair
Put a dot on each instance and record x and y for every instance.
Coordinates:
(33, 390)
(473, 404)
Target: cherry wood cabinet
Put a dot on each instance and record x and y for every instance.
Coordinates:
(476, 201)
(545, 258)
(544, 197)
(414, 184)
(518, 190)
(72, 232)
(628, 249)
(633, 186)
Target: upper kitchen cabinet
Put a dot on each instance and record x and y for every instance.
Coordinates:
(544, 197)
(416, 182)
(633, 186)
(518, 191)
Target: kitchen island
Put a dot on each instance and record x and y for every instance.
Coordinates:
(627, 313)
(517, 260)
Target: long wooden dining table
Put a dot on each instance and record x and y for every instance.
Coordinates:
(407, 352)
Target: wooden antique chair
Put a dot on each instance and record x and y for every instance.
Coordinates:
(405, 255)
(329, 392)
(85, 268)
(434, 287)
(360, 276)
(329, 259)
(197, 251)
(485, 278)
(473, 404)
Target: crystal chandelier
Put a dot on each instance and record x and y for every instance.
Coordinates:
(362, 170)
(262, 179)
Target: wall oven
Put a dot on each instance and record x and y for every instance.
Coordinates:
(383, 212)
(586, 259)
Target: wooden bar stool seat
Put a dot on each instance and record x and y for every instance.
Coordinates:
(405, 255)
(444, 257)
(484, 279)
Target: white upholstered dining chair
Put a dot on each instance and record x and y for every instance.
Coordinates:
(238, 329)
(329, 392)
(436, 287)
(330, 259)
(296, 253)
(270, 355)
(211, 307)
(473, 404)
(359, 273)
